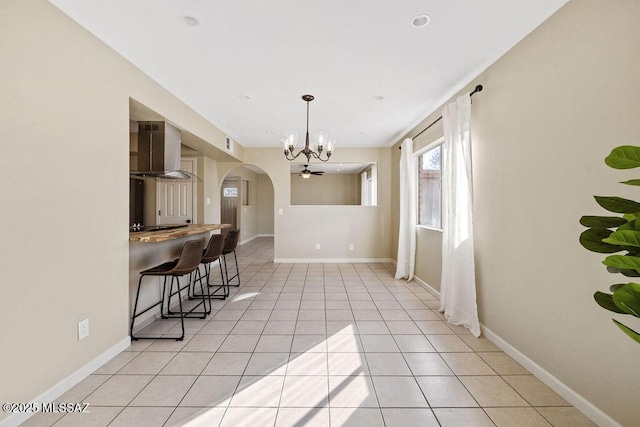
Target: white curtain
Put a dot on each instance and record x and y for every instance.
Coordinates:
(458, 287)
(407, 238)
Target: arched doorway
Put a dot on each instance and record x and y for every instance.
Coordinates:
(247, 202)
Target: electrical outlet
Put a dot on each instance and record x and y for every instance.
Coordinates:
(317, 246)
(280, 211)
(350, 246)
(83, 329)
(208, 201)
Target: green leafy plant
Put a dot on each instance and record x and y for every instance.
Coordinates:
(615, 234)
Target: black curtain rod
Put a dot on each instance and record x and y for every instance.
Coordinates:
(477, 89)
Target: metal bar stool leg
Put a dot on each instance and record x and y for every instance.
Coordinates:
(135, 308)
(235, 257)
(225, 286)
(163, 314)
(181, 310)
(204, 297)
(171, 293)
(226, 272)
(237, 275)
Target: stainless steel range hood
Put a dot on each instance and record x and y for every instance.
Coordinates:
(159, 152)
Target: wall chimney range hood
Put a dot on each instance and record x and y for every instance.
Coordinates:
(159, 152)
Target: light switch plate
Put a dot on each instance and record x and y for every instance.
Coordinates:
(83, 329)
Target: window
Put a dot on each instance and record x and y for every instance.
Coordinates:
(230, 192)
(430, 188)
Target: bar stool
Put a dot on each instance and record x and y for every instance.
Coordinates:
(186, 264)
(210, 254)
(230, 244)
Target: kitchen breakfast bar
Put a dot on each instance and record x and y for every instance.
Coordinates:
(154, 246)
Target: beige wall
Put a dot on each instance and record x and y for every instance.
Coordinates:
(329, 189)
(211, 187)
(265, 204)
(64, 115)
(299, 228)
(552, 109)
(429, 256)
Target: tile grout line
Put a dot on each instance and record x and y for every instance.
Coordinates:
(304, 280)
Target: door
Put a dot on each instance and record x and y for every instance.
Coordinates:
(229, 205)
(175, 198)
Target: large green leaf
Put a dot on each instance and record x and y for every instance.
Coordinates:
(626, 272)
(632, 251)
(591, 239)
(631, 182)
(623, 262)
(624, 238)
(618, 204)
(630, 273)
(602, 221)
(633, 334)
(631, 225)
(624, 157)
(627, 298)
(606, 301)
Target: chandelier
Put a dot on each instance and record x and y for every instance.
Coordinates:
(321, 142)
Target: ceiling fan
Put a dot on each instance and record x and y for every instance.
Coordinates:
(306, 173)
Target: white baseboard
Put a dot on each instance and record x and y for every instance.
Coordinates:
(244, 242)
(331, 260)
(68, 382)
(425, 285)
(583, 405)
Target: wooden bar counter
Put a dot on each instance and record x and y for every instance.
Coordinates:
(175, 233)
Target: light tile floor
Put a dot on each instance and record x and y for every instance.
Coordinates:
(315, 345)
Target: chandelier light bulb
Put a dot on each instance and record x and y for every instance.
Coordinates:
(290, 141)
(331, 143)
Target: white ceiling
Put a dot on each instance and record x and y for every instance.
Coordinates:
(344, 52)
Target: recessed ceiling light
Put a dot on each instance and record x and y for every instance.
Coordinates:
(269, 132)
(378, 98)
(360, 133)
(244, 97)
(420, 21)
(189, 20)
